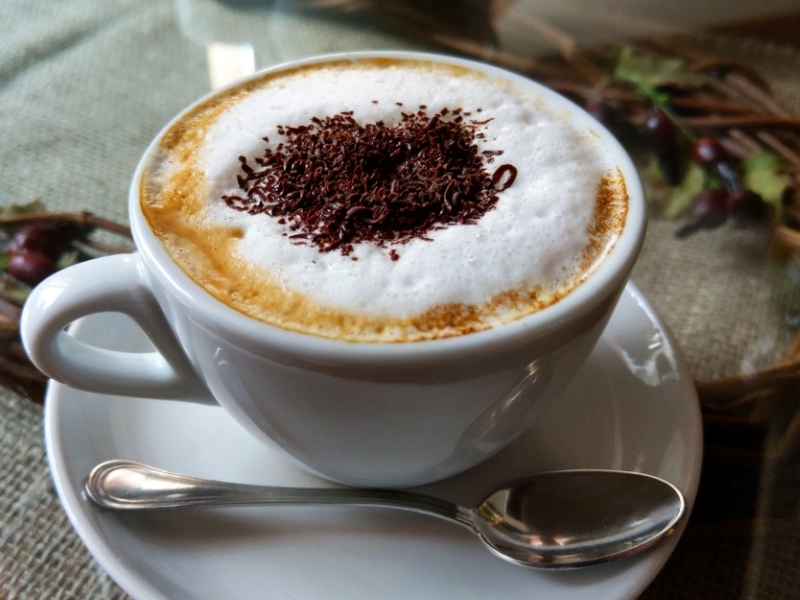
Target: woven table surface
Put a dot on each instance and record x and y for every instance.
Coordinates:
(72, 134)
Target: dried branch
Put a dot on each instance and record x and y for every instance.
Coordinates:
(84, 219)
(16, 371)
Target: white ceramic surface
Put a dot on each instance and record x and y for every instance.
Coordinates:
(379, 414)
(633, 406)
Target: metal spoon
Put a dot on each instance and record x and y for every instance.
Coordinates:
(559, 519)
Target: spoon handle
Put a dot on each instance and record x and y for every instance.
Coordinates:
(126, 485)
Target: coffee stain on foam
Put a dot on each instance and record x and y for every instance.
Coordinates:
(611, 214)
(175, 206)
(211, 260)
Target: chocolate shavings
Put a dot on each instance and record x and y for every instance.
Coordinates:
(335, 183)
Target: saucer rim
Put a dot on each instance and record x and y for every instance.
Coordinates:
(73, 499)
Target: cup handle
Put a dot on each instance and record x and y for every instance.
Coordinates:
(114, 283)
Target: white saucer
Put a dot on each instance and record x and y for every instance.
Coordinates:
(632, 407)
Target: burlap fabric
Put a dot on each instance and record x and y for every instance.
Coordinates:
(84, 86)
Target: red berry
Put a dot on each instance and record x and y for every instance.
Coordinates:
(711, 204)
(50, 239)
(708, 152)
(661, 128)
(711, 155)
(663, 134)
(30, 267)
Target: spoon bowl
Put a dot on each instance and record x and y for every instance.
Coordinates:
(567, 519)
(553, 520)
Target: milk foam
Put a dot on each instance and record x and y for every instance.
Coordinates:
(534, 240)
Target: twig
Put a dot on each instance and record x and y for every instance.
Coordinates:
(567, 47)
(787, 236)
(757, 94)
(9, 299)
(509, 60)
(738, 121)
(788, 443)
(9, 310)
(21, 371)
(83, 218)
(745, 140)
(616, 94)
(102, 247)
(780, 148)
(734, 70)
(726, 388)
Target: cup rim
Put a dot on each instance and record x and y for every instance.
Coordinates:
(607, 279)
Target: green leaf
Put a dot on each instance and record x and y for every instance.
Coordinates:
(13, 210)
(33, 207)
(68, 259)
(674, 200)
(14, 289)
(649, 71)
(761, 173)
(680, 197)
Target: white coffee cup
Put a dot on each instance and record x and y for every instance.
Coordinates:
(371, 414)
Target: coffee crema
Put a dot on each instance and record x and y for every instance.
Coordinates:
(557, 201)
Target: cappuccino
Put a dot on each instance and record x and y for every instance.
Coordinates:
(383, 200)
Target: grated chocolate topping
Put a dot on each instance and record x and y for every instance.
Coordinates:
(335, 183)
